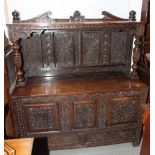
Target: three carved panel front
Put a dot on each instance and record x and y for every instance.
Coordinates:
(74, 115)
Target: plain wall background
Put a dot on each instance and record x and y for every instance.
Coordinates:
(66, 8)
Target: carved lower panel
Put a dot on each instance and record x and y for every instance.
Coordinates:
(138, 131)
(20, 129)
(42, 117)
(123, 110)
(66, 116)
(83, 139)
(110, 135)
(102, 113)
(85, 114)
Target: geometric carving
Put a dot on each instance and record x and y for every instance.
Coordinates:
(85, 114)
(65, 116)
(64, 50)
(91, 48)
(101, 114)
(123, 110)
(105, 53)
(118, 47)
(42, 116)
(32, 52)
(47, 49)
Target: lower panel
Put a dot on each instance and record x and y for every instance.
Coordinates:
(86, 139)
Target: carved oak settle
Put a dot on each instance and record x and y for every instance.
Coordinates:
(74, 83)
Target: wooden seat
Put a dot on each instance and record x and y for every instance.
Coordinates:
(77, 84)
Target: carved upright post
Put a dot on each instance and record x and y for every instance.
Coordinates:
(18, 62)
(137, 49)
(17, 55)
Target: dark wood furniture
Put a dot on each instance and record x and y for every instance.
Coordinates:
(145, 147)
(74, 83)
(144, 64)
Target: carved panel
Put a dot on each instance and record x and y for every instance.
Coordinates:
(77, 36)
(123, 110)
(32, 52)
(105, 53)
(101, 113)
(91, 48)
(118, 47)
(21, 129)
(85, 114)
(48, 49)
(64, 49)
(65, 116)
(42, 116)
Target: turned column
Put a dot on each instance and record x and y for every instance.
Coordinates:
(17, 55)
(18, 61)
(137, 50)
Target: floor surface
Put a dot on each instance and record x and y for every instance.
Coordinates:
(117, 149)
